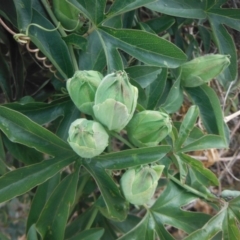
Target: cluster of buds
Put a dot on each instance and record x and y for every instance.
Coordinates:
(112, 101)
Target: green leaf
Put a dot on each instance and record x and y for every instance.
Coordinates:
(187, 125)
(210, 110)
(90, 234)
(160, 24)
(76, 40)
(32, 233)
(92, 9)
(24, 13)
(3, 166)
(136, 43)
(174, 98)
(168, 210)
(24, 179)
(225, 45)
(53, 219)
(205, 142)
(115, 203)
(55, 50)
(200, 176)
(22, 153)
(180, 8)
(5, 83)
(20, 129)
(132, 157)
(93, 58)
(122, 6)
(143, 230)
(113, 57)
(80, 223)
(41, 196)
(206, 38)
(226, 220)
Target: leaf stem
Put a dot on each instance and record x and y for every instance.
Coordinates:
(62, 32)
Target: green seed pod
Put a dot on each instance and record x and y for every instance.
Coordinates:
(67, 14)
(82, 88)
(148, 128)
(203, 69)
(87, 138)
(139, 185)
(115, 101)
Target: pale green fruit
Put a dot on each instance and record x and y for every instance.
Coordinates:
(82, 88)
(115, 101)
(148, 128)
(139, 185)
(203, 69)
(87, 138)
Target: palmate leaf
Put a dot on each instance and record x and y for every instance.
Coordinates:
(136, 43)
(226, 221)
(24, 179)
(20, 129)
(167, 210)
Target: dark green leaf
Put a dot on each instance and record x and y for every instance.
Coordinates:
(180, 8)
(3, 166)
(174, 98)
(22, 153)
(53, 219)
(187, 125)
(226, 46)
(136, 43)
(24, 179)
(161, 24)
(168, 210)
(226, 220)
(93, 58)
(92, 9)
(131, 158)
(122, 6)
(24, 13)
(210, 110)
(20, 129)
(90, 234)
(76, 40)
(113, 57)
(205, 142)
(32, 233)
(80, 223)
(144, 230)
(115, 203)
(206, 38)
(41, 196)
(55, 50)
(155, 90)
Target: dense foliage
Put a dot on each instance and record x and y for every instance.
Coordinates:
(162, 54)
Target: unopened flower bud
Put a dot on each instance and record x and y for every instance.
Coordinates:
(82, 88)
(203, 69)
(148, 128)
(67, 14)
(115, 101)
(87, 138)
(139, 185)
